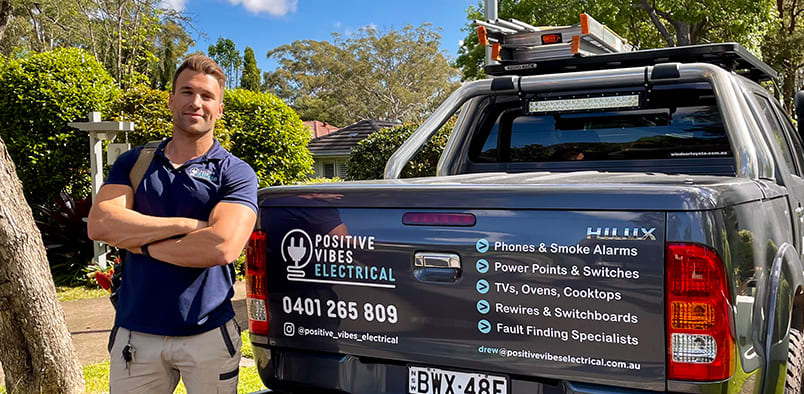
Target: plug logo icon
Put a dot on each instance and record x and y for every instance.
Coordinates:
(297, 249)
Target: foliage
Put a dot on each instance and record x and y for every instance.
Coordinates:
(783, 48)
(64, 234)
(246, 350)
(40, 95)
(228, 57)
(251, 74)
(391, 75)
(171, 43)
(148, 109)
(707, 21)
(267, 135)
(368, 158)
(674, 22)
(129, 37)
(315, 181)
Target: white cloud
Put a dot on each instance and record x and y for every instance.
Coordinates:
(273, 7)
(338, 24)
(177, 5)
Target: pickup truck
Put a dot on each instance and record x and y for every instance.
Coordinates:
(623, 223)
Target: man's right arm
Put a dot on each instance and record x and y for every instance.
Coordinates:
(113, 220)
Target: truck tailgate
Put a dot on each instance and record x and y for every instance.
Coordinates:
(569, 295)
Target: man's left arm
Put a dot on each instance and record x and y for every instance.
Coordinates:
(230, 225)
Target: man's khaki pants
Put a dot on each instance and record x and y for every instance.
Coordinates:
(207, 363)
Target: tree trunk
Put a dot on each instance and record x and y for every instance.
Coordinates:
(36, 350)
(5, 16)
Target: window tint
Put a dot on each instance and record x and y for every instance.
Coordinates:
(777, 136)
(792, 134)
(657, 133)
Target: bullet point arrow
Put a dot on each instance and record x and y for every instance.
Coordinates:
(482, 286)
(482, 245)
(482, 266)
(483, 306)
(484, 326)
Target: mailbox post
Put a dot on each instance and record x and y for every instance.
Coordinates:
(100, 131)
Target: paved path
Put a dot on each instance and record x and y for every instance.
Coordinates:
(90, 322)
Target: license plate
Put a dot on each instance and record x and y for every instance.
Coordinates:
(440, 381)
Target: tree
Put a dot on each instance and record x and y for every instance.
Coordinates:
(251, 74)
(36, 352)
(707, 20)
(172, 43)
(783, 48)
(126, 36)
(228, 57)
(390, 75)
(645, 24)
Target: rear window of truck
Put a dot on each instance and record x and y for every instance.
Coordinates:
(672, 122)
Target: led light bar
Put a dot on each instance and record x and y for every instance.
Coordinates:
(577, 104)
(694, 348)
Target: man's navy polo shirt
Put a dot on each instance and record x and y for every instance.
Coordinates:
(165, 299)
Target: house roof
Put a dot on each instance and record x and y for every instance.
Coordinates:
(343, 140)
(319, 128)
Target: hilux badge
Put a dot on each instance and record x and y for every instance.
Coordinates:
(628, 233)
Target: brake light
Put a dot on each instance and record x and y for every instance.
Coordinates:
(438, 219)
(256, 294)
(700, 341)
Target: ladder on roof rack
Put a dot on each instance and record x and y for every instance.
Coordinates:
(518, 42)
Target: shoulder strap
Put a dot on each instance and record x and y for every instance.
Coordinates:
(142, 164)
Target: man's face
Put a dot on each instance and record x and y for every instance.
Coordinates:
(196, 103)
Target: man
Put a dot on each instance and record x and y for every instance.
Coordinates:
(189, 218)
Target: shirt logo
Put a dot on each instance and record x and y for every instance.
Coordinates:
(204, 173)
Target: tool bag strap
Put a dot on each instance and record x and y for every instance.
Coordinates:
(142, 164)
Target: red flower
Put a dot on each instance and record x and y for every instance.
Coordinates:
(104, 280)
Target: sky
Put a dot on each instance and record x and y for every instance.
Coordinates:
(267, 24)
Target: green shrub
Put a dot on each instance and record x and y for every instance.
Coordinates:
(268, 135)
(40, 94)
(368, 158)
(148, 109)
(315, 181)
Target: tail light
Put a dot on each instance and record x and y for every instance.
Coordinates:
(701, 344)
(256, 293)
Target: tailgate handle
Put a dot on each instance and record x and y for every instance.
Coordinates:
(437, 267)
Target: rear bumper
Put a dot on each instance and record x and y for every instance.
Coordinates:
(293, 371)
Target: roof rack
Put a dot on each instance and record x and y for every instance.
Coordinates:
(518, 42)
(729, 56)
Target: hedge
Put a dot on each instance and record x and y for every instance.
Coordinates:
(369, 157)
(40, 94)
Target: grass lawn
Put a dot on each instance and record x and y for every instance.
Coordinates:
(68, 293)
